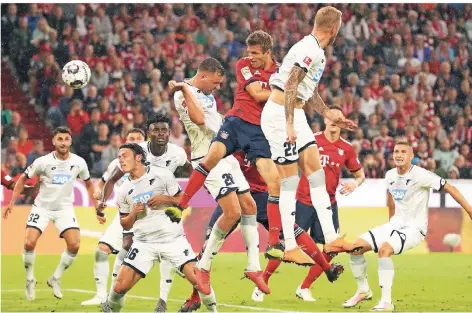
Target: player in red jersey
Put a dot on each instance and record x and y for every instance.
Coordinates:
(9, 183)
(241, 130)
(335, 152)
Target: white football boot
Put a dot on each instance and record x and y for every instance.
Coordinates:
(304, 294)
(97, 300)
(383, 307)
(257, 295)
(30, 291)
(55, 284)
(358, 297)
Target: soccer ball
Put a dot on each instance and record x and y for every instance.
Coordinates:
(452, 240)
(76, 74)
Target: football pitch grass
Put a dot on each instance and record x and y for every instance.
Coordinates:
(424, 282)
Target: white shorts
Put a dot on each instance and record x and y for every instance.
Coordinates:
(226, 177)
(64, 219)
(401, 239)
(273, 126)
(113, 236)
(142, 256)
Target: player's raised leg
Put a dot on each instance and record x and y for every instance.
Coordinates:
(72, 239)
(31, 238)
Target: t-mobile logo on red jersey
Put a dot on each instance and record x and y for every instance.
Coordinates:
(324, 159)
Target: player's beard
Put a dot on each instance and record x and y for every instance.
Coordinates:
(62, 151)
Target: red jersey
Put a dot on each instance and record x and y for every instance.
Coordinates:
(333, 156)
(6, 179)
(245, 107)
(256, 183)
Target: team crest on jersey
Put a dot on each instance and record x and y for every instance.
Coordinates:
(224, 134)
(340, 151)
(257, 72)
(399, 194)
(307, 60)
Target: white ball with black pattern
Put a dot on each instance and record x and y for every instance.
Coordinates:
(76, 74)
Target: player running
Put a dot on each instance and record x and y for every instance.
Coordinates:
(284, 124)
(335, 152)
(407, 200)
(156, 237)
(115, 240)
(241, 130)
(57, 172)
(161, 153)
(226, 183)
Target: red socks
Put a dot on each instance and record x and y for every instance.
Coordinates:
(275, 221)
(313, 274)
(305, 242)
(272, 265)
(195, 182)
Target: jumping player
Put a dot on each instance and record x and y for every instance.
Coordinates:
(284, 124)
(156, 237)
(115, 240)
(57, 172)
(241, 130)
(226, 183)
(407, 200)
(335, 153)
(161, 153)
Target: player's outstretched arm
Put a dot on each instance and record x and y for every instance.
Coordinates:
(321, 108)
(19, 185)
(457, 195)
(108, 188)
(195, 111)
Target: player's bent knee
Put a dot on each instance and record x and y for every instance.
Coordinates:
(386, 250)
(215, 154)
(248, 205)
(104, 248)
(29, 245)
(366, 247)
(73, 247)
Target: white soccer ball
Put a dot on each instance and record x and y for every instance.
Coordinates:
(76, 74)
(452, 240)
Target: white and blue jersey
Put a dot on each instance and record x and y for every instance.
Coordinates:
(151, 226)
(56, 178)
(411, 195)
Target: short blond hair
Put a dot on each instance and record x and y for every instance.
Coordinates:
(327, 17)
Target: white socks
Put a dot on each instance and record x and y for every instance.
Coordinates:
(209, 300)
(28, 261)
(320, 200)
(214, 243)
(116, 301)
(116, 266)
(386, 273)
(359, 270)
(251, 239)
(101, 271)
(167, 276)
(67, 259)
(287, 205)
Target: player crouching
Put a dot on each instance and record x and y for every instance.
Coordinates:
(408, 195)
(156, 238)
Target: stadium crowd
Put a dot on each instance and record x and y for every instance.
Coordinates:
(395, 69)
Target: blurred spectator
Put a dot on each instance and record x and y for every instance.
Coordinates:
(77, 118)
(12, 130)
(20, 165)
(38, 151)
(110, 153)
(9, 153)
(444, 156)
(176, 134)
(89, 133)
(25, 145)
(99, 78)
(9, 23)
(99, 144)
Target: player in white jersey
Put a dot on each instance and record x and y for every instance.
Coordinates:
(225, 182)
(291, 141)
(161, 153)
(57, 172)
(114, 240)
(156, 237)
(407, 200)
